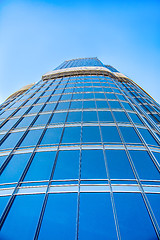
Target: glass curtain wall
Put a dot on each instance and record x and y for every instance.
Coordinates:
(80, 159)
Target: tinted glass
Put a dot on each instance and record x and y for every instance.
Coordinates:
(41, 166)
(88, 136)
(96, 217)
(110, 134)
(52, 136)
(93, 165)
(67, 166)
(137, 227)
(63, 226)
(25, 208)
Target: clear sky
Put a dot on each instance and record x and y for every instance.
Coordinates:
(38, 35)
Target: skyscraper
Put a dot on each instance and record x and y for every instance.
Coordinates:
(80, 157)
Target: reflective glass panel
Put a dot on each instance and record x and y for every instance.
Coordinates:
(67, 166)
(60, 223)
(110, 134)
(96, 219)
(137, 227)
(118, 165)
(58, 117)
(71, 135)
(41, 166)
(144, 165)
(27, 209)
(14, 168)
(105, 116)
(31, 138)
(93, 165)
(129, 135)
(91, 134)
(52, 136)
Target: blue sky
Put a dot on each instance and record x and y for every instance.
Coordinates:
(37, 35)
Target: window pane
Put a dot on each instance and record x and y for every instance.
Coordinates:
(15, 168)
(35, 109)
(110, 134)
(49, 107)
(114, 104)
(129, 135)
(67, 166)
(154, 200)
(121, 117)
(31, 138)
(105, 116)
(11, 140)
(76, 105)
(133, 217)
(60, 223)
(58, 117)
(90, 116)
(2, 159)
(118, 165)
(9, 124)
(89, 104)
(96, 217)
(144, 165)
(93, 165)
(41, 166)
(91, 134)
(102, 104)
(42, 119)
(147, 136)
(63, 105)
(25, 122)
(3, 203)
(26, 210)
(74, 117)
(52, 136)
(71, 135)
(135, 118)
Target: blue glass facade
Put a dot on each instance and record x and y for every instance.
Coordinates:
(80, 157)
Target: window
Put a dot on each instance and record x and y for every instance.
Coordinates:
(118, 165)
(42, 119)
(144, 165)
(110, 134)
(102, 104)
(63, 226)
(93, 165)
(9, 124)
(41, 166)
(74, 117)
(137, 227)
(76, 105)
(91, 134)
(24, 208)
(15, 168)
(63, 105)
(114, 104)
(25, 122)
(147, 136)
(121, 117)
(49, 107)
(96, 217)
(89, 104)
(71, 135)
(89, 116)
(129, 135)
(52, 136)
(105, 116)
(67, 166)
(58, 117)
(31, 138)
(11, 140)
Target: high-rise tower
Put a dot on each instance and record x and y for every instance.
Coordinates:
(80, 157)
